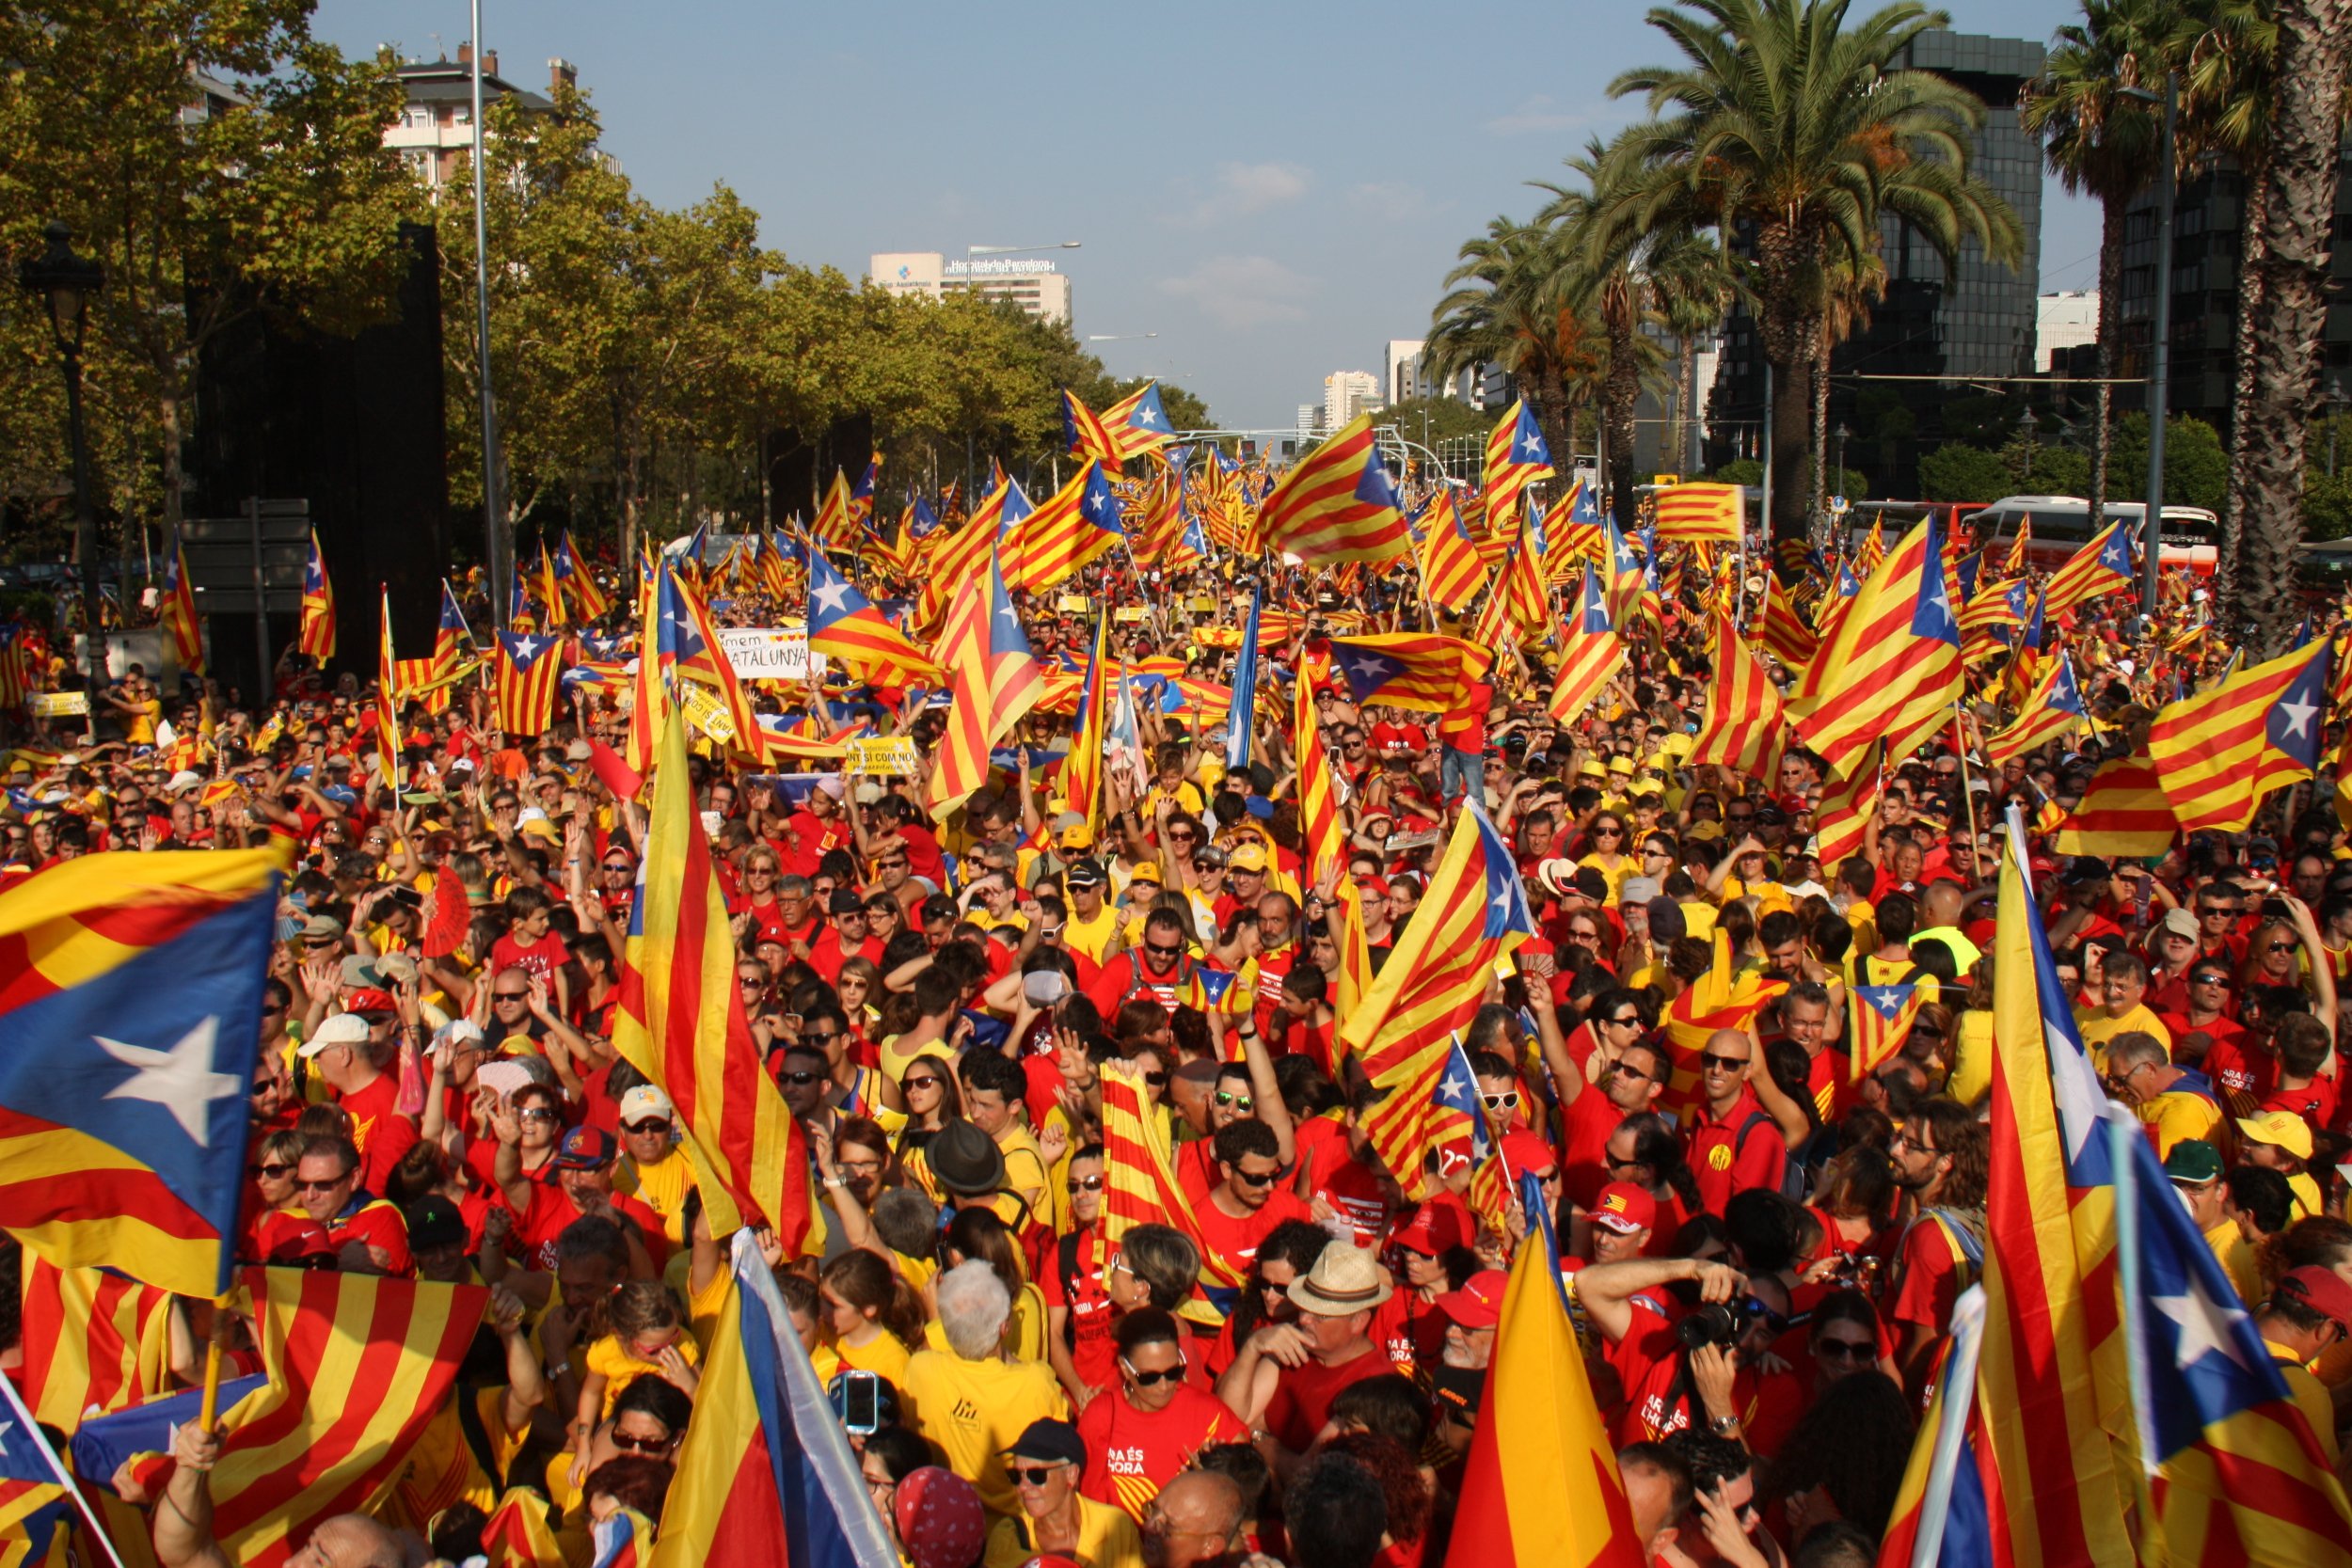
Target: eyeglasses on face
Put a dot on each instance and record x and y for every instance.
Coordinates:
(646, 1129)
(631, 1443)
(309, 1184)
(799, 1080)
(275, 1171)
(537, 1113)
(1086, 1184)
(1508, 1100)
(1847, 1350)
(1255, 1178)
(927, 1081)
(1035, 1474)
(1146, 1380)
(510, 996)
(1227, 1100)
(1728, 1064)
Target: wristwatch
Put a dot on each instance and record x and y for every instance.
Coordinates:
(1724, 1426)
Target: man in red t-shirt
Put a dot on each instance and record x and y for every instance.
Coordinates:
(1735, 1144)
(583, 1186)
(345, 1053)
(1246, 1201)
(1940, 1158)
(1291, 1372)
(336, 1216)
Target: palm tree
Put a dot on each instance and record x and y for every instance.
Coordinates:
(1609, 282)
(1853, 289)
(2101, 142)
(1505, 309)
(2304, 129)
(1798, 130)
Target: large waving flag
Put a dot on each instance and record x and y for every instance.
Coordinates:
(2240, 1478)
(2051, 1381)
(843, 624)
(1081, 777)
(766, 1474)
(572, 574)
(688, 643)
(836, 529)
(177, 610)
(1337, 504)
(387, 697)
(1517, 456)
(681, 1022)
(1077, 527)
(1742, 726)
(2103, 565)
(1782, 632)
(1891, 670)
(315, 636)
(1841, 820)
(1519, 605)
(1451, 573)
(1541, 1487)
(1139, 1185)
(529, 670)
(1414, 670)
(1474, 912)
(2122, 812)
(994, 679)
(1591, 653)
(131, 1002)
(1702, 514)
(1322, 839)
(1084, 434)
(957, 559)
(2219, 752)
(2055, 707)
(354, 1367)
(1137, 423)
(1241, 719)
(91, 1340)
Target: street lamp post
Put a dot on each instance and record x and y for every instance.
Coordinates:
(65, 282)
(1842, 434)
(2160, 355)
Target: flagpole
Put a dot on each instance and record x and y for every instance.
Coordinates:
(1967, 796)
(57, 1468)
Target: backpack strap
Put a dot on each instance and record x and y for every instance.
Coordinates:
(478, 1438)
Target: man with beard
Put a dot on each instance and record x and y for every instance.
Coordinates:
(1941, 1157)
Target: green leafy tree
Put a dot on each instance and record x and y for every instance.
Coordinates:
(1954, 473)
(2196, 465)
(1506, 307)
(219, 161)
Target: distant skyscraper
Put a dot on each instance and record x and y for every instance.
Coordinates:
(1031, 282)
(1404, 382)
(1308, 413)
(2063, 321)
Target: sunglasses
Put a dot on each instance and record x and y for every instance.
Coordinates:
(1146, 1380)
(1157, 1080)
(1035, 1474)
(799, 1080)
(510, 996)
(1729, 1064)
(1086, 1184)
(1176, 951)
(1847, 1350)
(634, 1444)
(1258, 1179)
(304, 1184)
(1508, 1100)
(1236, 1101)
(275, 1172)
(646, 1126)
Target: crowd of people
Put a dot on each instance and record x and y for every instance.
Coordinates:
(1763, 1246)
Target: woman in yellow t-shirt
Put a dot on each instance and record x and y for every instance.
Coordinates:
(1608, 855)
(868, 1316)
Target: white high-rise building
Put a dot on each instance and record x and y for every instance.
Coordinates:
(1308, 413)
(1346, 394)
(2063, 321)
(1404, 382)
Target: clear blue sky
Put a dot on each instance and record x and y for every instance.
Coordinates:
(1275, 193)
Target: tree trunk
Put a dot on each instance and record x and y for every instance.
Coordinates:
(2111, 210)
(2253, 251)
(1686, 366)
(1818, 424)
(2298, 209)
(1622, 392)
(1792, 401)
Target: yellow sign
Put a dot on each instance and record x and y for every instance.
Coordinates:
(885, 756)
(1071, 604)
(58, 705)
(1666, 479)
(1128, 614)
(709, 715)
(1200, 603)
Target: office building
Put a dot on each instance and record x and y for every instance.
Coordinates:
(2205, 264)
(1308, 416)
(1033, 283)
(1346, 394)
(1978, 320)
(436, 125)
(2063, 321)
(1404, 382)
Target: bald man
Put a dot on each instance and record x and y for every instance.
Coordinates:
(1196, 1519)
(1658, 1490)
(1941, 907)
(184, 1525)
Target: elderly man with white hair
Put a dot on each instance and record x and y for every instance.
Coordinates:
(969, 1402)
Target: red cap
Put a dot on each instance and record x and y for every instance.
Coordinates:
(1625, 1208)
(1479, 1303)
(1524, 1150)
(2321, 1289)
(1434, 1228)
(367, 998)
(300, 1243)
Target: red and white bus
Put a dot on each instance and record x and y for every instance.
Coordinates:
(2061, 526)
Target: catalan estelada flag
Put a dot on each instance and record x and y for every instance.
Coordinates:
(529, 669)
(2054, 707)
(572, 574)
(681, 1024)
(131, 1001)
(1451, 573)
(1076, 527)
(452, 639)
(1515, 457)
(316, 631)
(2052, 1382)
(835, 529)
(1241, 718)
(994, 679)
(177, 610)
(1323, 842)
(36, 1505)
(1783, 632)
(766, 1474)
(1337, 504)
(1943, 1511)
(2239, 1476)
(1137, 422)
(862, 493)
(1882, 1022)
(387, 694)
(843, 624)
(355, 1365)
(1541, 1487)
(1742, 726)
(958, 557)
(2122, 812)
(1084, 434)
(2219, 752)
(1519, 605)
(1891, 670)
(1421, 670)
(688, 643)
(1082, 771)
(1474, 913)
(1591, 653)
(1701, 514)
(2103, 565)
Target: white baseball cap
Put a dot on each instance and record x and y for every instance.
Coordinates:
(645, 1102)
(343, 1029)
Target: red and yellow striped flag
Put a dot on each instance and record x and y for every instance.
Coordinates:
(1319, 830)
(1591, 653)
(315, 636)
(1517, 456)
(835, 528)
(681, 1022)
(1742, 726)
(994, 680)
(1702, 514)
(2219, 751)
(1088, 436)
(91, 1340)
(1891, 669)
(1451, 572)
(178, 610)
(1337, 504)
(1139, 1170)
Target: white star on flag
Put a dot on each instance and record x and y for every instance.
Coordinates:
(833, 596)
(181, 1080)
(2299, 716)
(2204, 1323)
